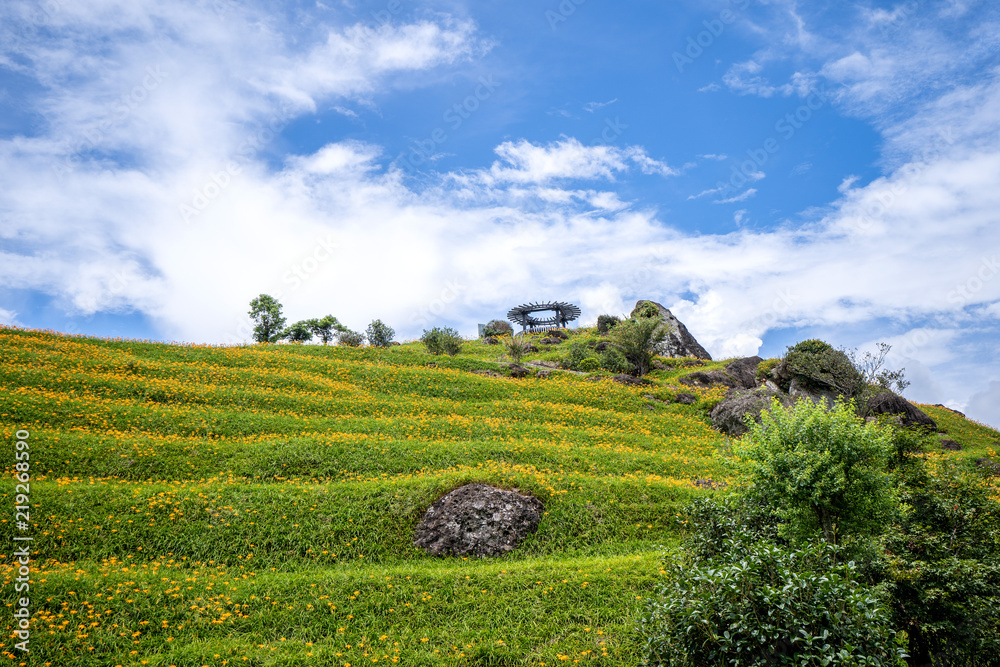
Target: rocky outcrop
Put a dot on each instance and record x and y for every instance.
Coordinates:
(744, 371)
(888, 403)
(679, 342)
(729, 415)
(478, 520)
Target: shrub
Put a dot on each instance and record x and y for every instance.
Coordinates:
(821, 367)
(637, 337)
(515, 347)
(824, 469)
(945, 567)
(589, 365)
(325, 328)
(380, 334)
(613, 360)
(606, 322)
(771, 605)
(300, 332)
(646, 309)
(765, 367)
(350, 338)
(498, 328)
(577, 353)
(442, 340)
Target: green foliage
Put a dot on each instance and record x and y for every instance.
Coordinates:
(768, 605)
(498, 328)
(325, 328)
(728, 525)
(380, 334)
(646, 309)
(765, 367)
(269, 325)
(823, 469)
(442, 340)
(589, 365)
(349, 338)
(823, 367)
(871, 368)
(944, 562)
(515, 347)
(577, 353)
(606, 322)
(612, 359)
(637, 337)
(300, 332)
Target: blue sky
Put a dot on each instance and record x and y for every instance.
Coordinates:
(770, 171)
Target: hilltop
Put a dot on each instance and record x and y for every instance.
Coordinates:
(255, 505)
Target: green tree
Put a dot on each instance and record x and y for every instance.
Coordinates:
(269, 327)
(380, 334)
(825, 470)
(300, 332)
(442, 340)
(350, 338)
(636, 338)
(326, 328)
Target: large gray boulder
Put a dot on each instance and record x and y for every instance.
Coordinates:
(680, 342)
(888, 403)
(728, 416)
(478, 520)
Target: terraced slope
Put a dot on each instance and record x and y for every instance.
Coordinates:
(211, 506)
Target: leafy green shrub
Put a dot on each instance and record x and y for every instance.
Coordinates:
(637, 337)
(442, 340)
(606, 322)
(498, 328)
(646, 309)
(822, 367)
(577, 352)
(589, 365)
(515, 347)
(350, 338)
(944, 564)
(380, 334)
(765, 367)
(728, 524)
(300, 332)
(823, 469)
(612, 359)
(771, 605)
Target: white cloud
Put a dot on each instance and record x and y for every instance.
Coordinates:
(9, 317)
(594, 106)
(743, 196)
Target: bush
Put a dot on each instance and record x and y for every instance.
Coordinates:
(824, 469)
(613, 360)
(771, 605)
(765, 367)
(300, 332)
(350, 338)
(945, 567)
(589, 365)
(637, 337)
(646, 309)
(442, 340)
(380, 334)
(515, 347)
(577, 353)
(822, 367)
(498, 328)
(606, 322)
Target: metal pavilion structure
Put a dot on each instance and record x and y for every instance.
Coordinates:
(562, 313)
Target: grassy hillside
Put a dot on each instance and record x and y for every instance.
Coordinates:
(194, 505)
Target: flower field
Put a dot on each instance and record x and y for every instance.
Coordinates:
(196, 505)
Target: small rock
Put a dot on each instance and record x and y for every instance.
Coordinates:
(693, 363)
(708, 484)
(685, 398)
(550, 341)
(544, 374)
(602, 345)
(960, 414)
(478, 520)
(491, 340)
(629, 380)
(992, 469)
(701, 379)
(487, 373)
(951, 445)
(532, 348)
(518, 371)
(545, 363)
(558, 333)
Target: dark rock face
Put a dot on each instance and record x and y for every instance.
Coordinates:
(491, 340)
(532, 348)
(518, 371)
(685, 398)
(558, 333)
(888, 403)
(950, 445)
(601, 346)
(550, 341)
(478, 520)
(744, 371)
(960, 414)
(701, 379)
(679, 343)
(629, 380)
(728, 415)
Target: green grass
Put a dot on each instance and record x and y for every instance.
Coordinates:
(195, 505)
